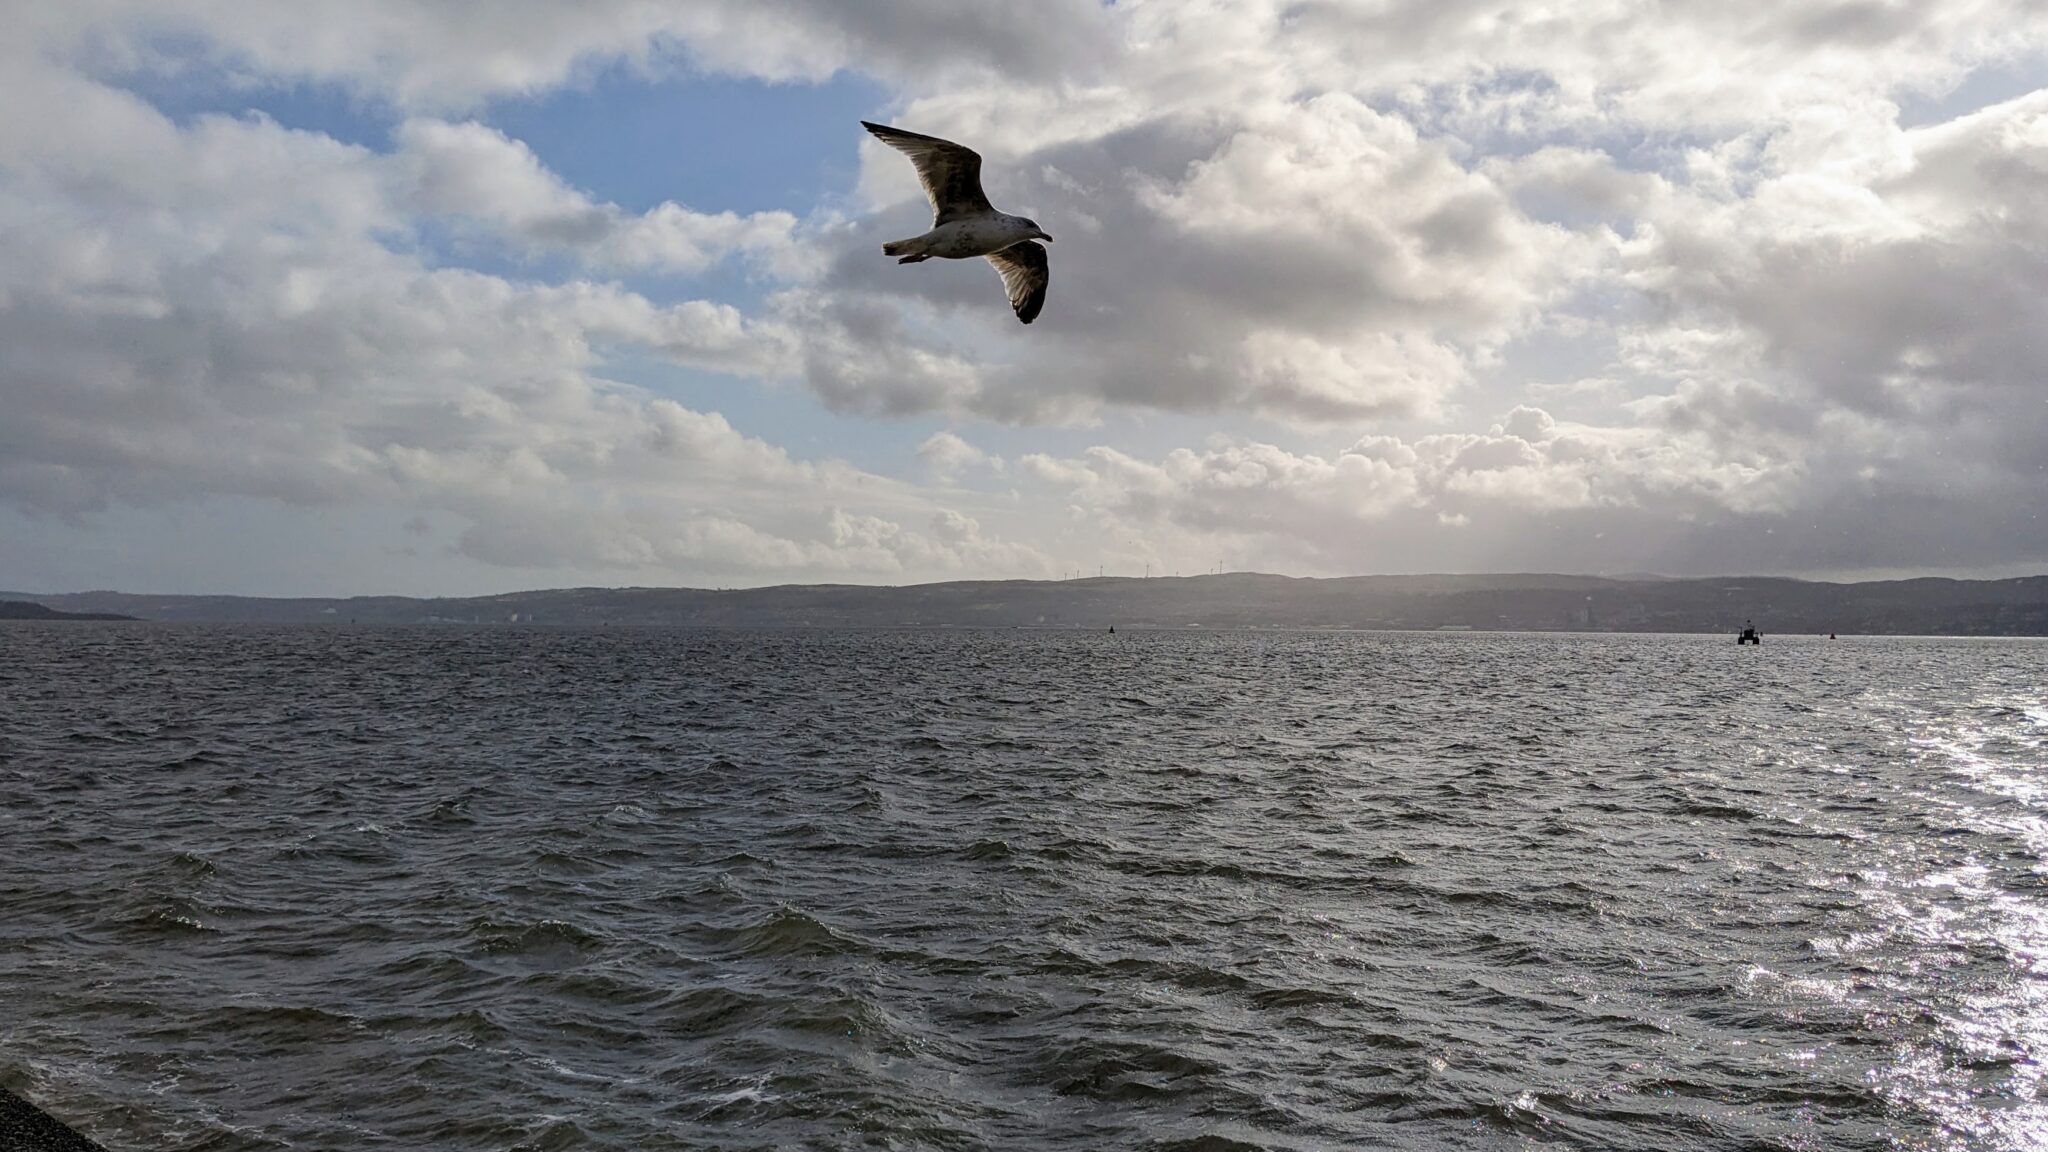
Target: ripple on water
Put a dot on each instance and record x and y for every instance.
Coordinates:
(489, 889)
(553, 943)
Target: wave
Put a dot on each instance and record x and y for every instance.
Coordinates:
(790, 932)
(1269, 892)
(555, 941)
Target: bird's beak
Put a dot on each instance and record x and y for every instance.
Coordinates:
(1044, 237)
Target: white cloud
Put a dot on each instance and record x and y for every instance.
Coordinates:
(1887, 305)
(212, 312)
(946, 456)
(454, 56)
(474, 173)
(1512, 485)
(1748, 295)
(1308, 260)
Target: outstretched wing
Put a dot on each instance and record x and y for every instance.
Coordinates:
(1025, 274)
(951, 174)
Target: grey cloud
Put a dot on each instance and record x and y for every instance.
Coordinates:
(1683, 68)
(1909, 313)
(1320, 264)
(1580, 188)
(1329, 216)
(177, 325)
(1533, 493)
(458, 55)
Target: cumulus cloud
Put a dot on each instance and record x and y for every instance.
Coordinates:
(947, 456)
(212, 310)
(1528, 486)
(1881, 304)
(1304, 260)
(1770, 323)
(476, 174)
(457, 55)
(1291, 209)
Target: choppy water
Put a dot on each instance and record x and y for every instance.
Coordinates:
(454, 889)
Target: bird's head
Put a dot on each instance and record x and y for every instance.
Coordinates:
(1037, 233)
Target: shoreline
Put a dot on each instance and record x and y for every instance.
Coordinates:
(27, 1128)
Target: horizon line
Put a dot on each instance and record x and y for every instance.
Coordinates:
(1628, 578)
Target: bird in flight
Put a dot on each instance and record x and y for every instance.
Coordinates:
(964, 223)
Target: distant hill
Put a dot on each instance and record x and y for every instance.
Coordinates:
(1537, 602)
(27, 610)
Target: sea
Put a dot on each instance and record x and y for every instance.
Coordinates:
(527, 888)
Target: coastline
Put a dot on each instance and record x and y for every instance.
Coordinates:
(27, 1128)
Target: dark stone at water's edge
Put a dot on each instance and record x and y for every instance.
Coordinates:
(27, 1128)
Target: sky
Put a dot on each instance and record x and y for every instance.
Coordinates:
(368, 296)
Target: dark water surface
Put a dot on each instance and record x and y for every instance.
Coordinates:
(466, 889)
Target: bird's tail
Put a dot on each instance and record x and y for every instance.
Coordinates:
(907, 251)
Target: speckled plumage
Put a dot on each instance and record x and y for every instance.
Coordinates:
(965, 224)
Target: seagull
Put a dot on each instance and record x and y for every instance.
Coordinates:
(964, 223)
